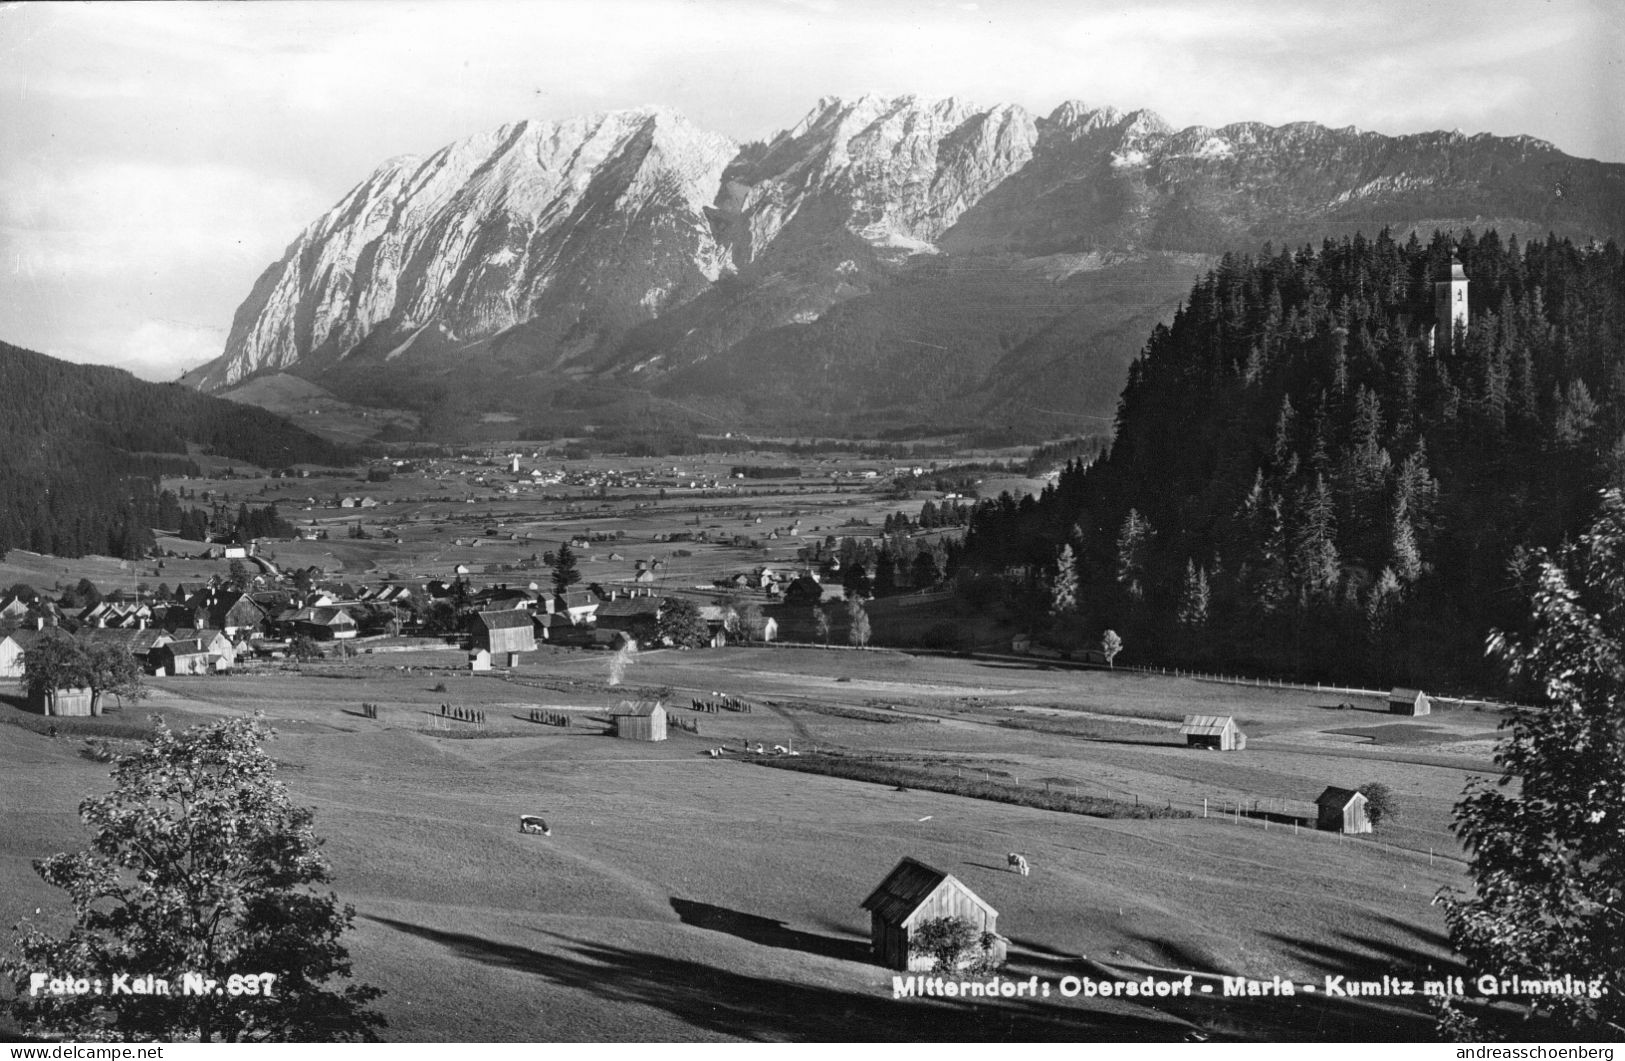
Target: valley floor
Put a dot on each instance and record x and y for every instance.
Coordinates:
(685, 897)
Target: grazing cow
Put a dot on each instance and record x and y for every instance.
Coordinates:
(1017, 863)
(779, 749)
(530, 823)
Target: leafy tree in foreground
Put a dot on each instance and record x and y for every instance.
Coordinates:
(954, 945)
(821, 625)
(55, 661)
(112, 669)
(1548, 854)
(858, 632)
(199, 863)
(682, 625)
(1110, 646)
(1381, 805)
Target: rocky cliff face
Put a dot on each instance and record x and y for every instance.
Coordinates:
(576, 218)
(634, 250)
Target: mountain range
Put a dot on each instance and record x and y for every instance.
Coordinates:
(886, 264)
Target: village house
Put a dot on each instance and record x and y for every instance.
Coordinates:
(12, 646)
(323, 624)
(505, 633)
(139, 643)
(580, 605)
(177, 658)
(629, 613)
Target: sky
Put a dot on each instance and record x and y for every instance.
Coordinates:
(155, 158)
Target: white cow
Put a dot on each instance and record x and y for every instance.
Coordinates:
(530, 823)
(1018, 863)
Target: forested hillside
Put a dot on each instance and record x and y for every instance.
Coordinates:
(1301, 484)
(82, 446)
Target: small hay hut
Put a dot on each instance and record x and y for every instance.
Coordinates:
(1213, 731)
(914, 893)
(1342, 810)
(62, 702)
(640, 720)
(1409, 702)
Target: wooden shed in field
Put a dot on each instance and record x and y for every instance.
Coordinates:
(1342, 810)
(640, 720)
(62, 702)
(1213, 731)
(914, 893)
(1409, 702)
(505, 633)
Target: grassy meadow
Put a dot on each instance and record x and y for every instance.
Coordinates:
(686, 897)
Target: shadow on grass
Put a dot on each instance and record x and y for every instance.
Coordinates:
(767, 932)
(1302, 1016)
(724, 1002)
(1418, 954)
(988, 865)
(1353, 707)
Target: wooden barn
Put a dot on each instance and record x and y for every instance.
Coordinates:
(505, 633)
(642, 720)
(914, 893)
(62, 702)
(1213, 731)
(184, 657)
(1342, 810)
(1409, 702)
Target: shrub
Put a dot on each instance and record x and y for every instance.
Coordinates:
(954, 945)
(1380, 802)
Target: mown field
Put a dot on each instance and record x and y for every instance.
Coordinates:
(685, 897)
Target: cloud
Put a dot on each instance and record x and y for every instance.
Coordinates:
(123, 218)
(154, 158)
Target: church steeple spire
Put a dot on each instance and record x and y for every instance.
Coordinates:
(1449, 302)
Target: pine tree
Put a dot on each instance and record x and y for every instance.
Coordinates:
(1194, 597)
(1315, 556)
(1133, 553)
(1063, 598)
(565, 571)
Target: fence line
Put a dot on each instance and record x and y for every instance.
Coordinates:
(1317, 687)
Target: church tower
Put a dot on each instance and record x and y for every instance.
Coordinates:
(1449, 303)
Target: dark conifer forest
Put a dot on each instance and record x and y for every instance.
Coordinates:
(82, 448)
(1301, 484)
